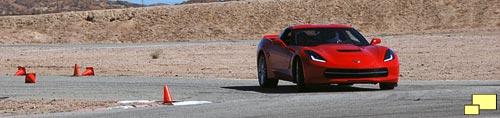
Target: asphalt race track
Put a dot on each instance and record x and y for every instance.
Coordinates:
(243, 98)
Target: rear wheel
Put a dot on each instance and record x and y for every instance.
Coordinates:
(264, 81)
(299, 76)
(387, 86)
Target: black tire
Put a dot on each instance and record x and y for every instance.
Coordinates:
(298, 75)
(387, 86)
(264, 81)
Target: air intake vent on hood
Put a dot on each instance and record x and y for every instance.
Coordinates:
(349, 50)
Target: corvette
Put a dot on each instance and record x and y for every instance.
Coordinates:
(314, 54)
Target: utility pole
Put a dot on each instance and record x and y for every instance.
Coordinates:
(78, 5)
(57, 5)
(142, 1)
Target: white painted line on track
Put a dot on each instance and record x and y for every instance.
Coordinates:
(134, 101)
(147, 103)
(184, 103)
(121, 107)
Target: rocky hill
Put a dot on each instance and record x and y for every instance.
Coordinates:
(28, 7)
(206, 1)
(247, 20)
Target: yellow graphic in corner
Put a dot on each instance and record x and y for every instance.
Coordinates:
(472, 109)
(481, 102)
(485, 101)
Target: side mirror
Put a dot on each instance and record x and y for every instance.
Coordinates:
(376, 41)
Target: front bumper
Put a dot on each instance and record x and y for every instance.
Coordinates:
(318, 73)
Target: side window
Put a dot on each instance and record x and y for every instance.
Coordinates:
(291, 38)
(286, 36)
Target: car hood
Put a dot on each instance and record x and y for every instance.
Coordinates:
(347, 54)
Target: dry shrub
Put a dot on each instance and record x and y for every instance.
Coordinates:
(156, 54)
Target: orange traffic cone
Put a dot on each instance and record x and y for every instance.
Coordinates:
(77, 71)
(30, 78)
(88, 72)
(20, 71)
(167, 99)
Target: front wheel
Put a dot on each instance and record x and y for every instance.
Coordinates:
(299, 76)
(264, 81)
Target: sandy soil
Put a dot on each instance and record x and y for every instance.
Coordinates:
(424, 56)
(16, 107)
(461, 55)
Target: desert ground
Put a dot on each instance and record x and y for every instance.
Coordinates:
(458, 55)
(40, 106)
(463, 55)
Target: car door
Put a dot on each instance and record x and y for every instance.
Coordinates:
(282, 54)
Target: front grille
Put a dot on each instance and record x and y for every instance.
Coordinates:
(356, 73)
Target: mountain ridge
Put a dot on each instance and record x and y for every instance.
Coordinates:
(250, 19)
(30, 7)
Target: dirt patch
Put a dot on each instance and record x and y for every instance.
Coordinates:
(244, 20)
(17, 107)
(423, 56)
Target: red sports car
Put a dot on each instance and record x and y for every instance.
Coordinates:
(325, 54)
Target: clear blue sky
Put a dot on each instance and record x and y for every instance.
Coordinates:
(148, 2)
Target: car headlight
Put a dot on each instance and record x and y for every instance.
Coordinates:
(389, 55)
(315, 56)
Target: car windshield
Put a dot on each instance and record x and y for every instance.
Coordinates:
(318, 36)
